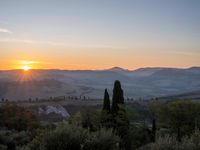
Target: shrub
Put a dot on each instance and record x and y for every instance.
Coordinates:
(12, 136)
(88, 119)
(65, 137)
(102, 140)
(18, 118)
(70, 137)
(180, 117)
(170, 143)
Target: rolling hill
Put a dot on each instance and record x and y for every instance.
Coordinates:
(140, 83)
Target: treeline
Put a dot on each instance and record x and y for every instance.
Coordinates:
(18, 126)
(170, 125)
(58, 98)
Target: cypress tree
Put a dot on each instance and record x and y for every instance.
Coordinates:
(154, 130)
(106, 102)
(118, 97)
(120, 119)
(106, 116)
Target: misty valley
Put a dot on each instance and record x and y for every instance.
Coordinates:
(153, 108)
(99, 74)
(144, 83)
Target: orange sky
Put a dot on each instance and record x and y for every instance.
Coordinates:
(99, 34)
(55, 59)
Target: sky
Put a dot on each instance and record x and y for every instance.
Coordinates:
(99, 34)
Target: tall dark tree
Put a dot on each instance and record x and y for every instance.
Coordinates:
(118, 97)
(154, 130)
(106, 102)
(120, 119)
(106, 116)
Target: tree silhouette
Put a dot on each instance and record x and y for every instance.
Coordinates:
(118, 97)
(106, 116)
(106, 102)
(154, 130)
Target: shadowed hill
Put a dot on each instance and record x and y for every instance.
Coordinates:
(140, 83)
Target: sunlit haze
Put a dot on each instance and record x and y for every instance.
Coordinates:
(90, 34)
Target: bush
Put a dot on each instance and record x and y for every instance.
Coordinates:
(12, 136)
(139, 135)
(88, 119)
(180, 117)
(70, 137)
(102, 140)
(64, 137)
(18, 118)
(193, 142)
(170, 143)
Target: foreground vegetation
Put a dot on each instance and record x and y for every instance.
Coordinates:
(170, 125)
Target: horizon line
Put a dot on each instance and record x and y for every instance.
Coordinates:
(105, 69)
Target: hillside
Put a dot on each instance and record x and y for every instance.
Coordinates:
(140, 83)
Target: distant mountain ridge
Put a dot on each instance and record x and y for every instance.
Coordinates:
(115, 68)
(139, 83)
(118, 69)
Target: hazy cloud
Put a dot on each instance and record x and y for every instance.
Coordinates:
(62, 44)
(31, 62)
(2, 30)
(26, 62)
(186, 53)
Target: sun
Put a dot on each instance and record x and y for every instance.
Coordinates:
(26, 68)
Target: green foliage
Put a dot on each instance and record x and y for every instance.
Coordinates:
(138, 135)
(37, 143)
(12, 136)
(117, 119)
(165, 143)
(102, 140)
(70, 137)
(121, 126)
(65, 137)
(170, 143)
(131, 113)
(121, 121)
(107, 119)
(88, 119)
(18, 118)
(192, 142)
(110, 129)
(180, 117)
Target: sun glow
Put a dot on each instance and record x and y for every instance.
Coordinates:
(27, 65)
(26, 68)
